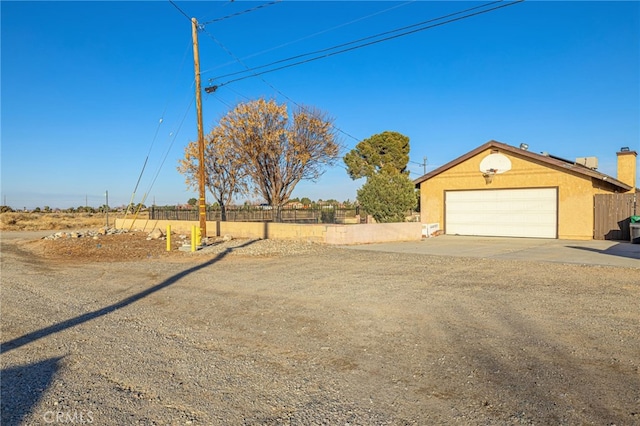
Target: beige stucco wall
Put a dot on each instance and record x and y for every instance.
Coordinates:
(627, 168)
(575, 192)
(319, 233)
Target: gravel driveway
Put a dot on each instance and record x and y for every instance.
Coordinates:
(286, 334)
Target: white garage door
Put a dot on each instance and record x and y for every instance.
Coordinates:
(503, 212)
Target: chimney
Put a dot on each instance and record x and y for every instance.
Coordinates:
(627, 167)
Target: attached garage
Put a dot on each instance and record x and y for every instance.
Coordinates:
(504, 212)
(505, 191)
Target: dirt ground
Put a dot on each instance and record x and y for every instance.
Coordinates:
(119, 331)
(130, 246)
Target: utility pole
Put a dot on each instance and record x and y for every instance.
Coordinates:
(106, 194)
(201, 175)
(423, 164)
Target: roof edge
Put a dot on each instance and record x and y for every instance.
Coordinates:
(528, 154)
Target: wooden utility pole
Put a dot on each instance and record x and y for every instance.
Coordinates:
(201, 174)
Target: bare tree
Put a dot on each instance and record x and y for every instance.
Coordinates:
(278, 152)
(225, 173)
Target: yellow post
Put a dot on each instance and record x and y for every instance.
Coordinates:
(193, 238)
(168, 237)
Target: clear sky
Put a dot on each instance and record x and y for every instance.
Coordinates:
(85, 85)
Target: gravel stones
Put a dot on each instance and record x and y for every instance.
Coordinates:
(109, 245)
(85, 234)
(262, 332)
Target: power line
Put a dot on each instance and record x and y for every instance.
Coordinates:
(423, 164)
(160, 122)
(175, 135)
(313, 35)
(180, 10)
(265, 82)
(236, 59)
(360, 40)
(223, 102)
(360, 46)
(261, 6)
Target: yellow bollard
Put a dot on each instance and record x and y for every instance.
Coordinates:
(168, 237)
(193, 238)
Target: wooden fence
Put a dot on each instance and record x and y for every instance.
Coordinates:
(612, 214)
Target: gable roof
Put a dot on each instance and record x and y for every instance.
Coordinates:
(555, 162)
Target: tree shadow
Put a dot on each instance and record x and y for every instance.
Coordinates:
(72, 322)
(22, 387)
(629, 250)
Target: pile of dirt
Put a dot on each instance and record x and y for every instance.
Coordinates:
(130, 246)
(137, 245)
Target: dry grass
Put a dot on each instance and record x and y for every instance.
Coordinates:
(19, 221)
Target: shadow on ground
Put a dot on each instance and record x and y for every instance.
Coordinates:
(628, 250)
(22, 387)
(80, 319)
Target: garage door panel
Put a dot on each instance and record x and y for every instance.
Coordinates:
(509, 212)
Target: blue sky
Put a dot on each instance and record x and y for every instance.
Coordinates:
(85, 85)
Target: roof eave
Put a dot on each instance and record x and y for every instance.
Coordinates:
(531, 155)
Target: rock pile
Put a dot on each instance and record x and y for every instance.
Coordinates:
(156, 234)
(84, 234)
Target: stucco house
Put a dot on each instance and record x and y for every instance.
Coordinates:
(502, 190)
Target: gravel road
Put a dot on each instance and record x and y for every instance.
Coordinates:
(274, 333)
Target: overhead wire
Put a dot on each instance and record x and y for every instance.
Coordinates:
(269, 84)
(240, 61)
(247, 69)
(201, 27)
(361, 39)
(313, 35)
(358, 46)
(261, 6)
(158, 128)
(144, 165)
(180, 10)
(185, 14)
(223, 102)
(175, 135)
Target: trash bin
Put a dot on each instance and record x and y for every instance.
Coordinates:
(635, 219)
(634, 229)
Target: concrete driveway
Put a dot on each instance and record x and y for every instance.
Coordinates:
(594, 252)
